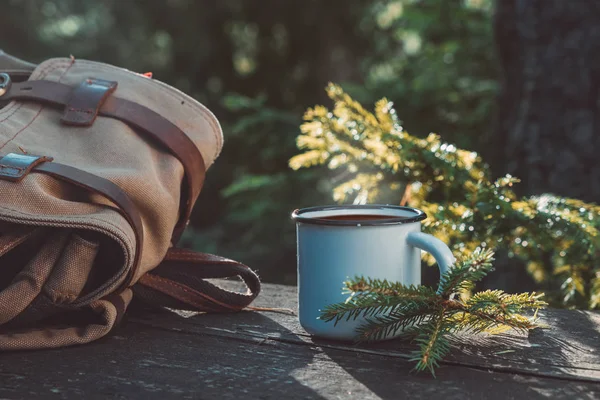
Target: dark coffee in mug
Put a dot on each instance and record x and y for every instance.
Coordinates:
(361, 217)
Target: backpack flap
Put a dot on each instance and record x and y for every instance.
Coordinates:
(99, 170)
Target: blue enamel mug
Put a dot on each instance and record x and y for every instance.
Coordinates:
(335, 243)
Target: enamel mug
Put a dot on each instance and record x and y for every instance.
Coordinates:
(335, 243)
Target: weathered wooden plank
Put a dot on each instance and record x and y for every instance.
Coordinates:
(568, 349)
(157, 363)
(268, 356)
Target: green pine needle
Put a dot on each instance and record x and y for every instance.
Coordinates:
(498, 301)
(375, 160)
(382, 326)
(433, 344)
(467, 272)
(392, 309)
(370, 297)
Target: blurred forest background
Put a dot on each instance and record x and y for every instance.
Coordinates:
(455, 67)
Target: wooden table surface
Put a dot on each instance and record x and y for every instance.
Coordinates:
(266, 355)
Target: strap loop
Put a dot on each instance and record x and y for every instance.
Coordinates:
(5, 83)
(86, 100)
(181, 276)
(15, 167)
(180, 282)
(112, 192)
(138, 117)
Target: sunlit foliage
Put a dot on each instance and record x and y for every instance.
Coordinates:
(377, 161)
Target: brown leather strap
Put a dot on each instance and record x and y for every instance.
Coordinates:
(15, 167)
(179, 282)
(174, 139)
(86, 100)
(109, 190)
(139, 117)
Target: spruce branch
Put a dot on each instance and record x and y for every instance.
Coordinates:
(377, 161)
(467, 272)
(367, 285)
(391, 309)
(382, 326)
(433, 344)
(373, 297)
(498, 301)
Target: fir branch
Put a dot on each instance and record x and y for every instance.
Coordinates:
(482, 321)
(433, 345)
(466, 272)
(379, 159)
(393, 309)
(373, 297)
(385, 326)
(361, 284)
(363, 306)
(499, 301)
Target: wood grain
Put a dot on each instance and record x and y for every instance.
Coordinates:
(267, 355)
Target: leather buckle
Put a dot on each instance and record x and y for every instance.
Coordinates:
(15, 167)
(86, 100)
(5, 83)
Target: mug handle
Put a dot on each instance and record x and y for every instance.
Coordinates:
(438, 249)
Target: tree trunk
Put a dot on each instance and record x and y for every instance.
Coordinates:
(547, 132)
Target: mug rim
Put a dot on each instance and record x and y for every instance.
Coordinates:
(299, 218)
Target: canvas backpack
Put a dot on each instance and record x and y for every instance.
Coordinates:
(100, 168)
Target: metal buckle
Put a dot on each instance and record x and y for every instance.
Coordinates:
(15, 167)
(5, 83)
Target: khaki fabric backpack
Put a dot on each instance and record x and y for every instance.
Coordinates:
(99, 170)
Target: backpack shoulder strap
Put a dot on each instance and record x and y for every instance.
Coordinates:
(137, 116)
(180, 282)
